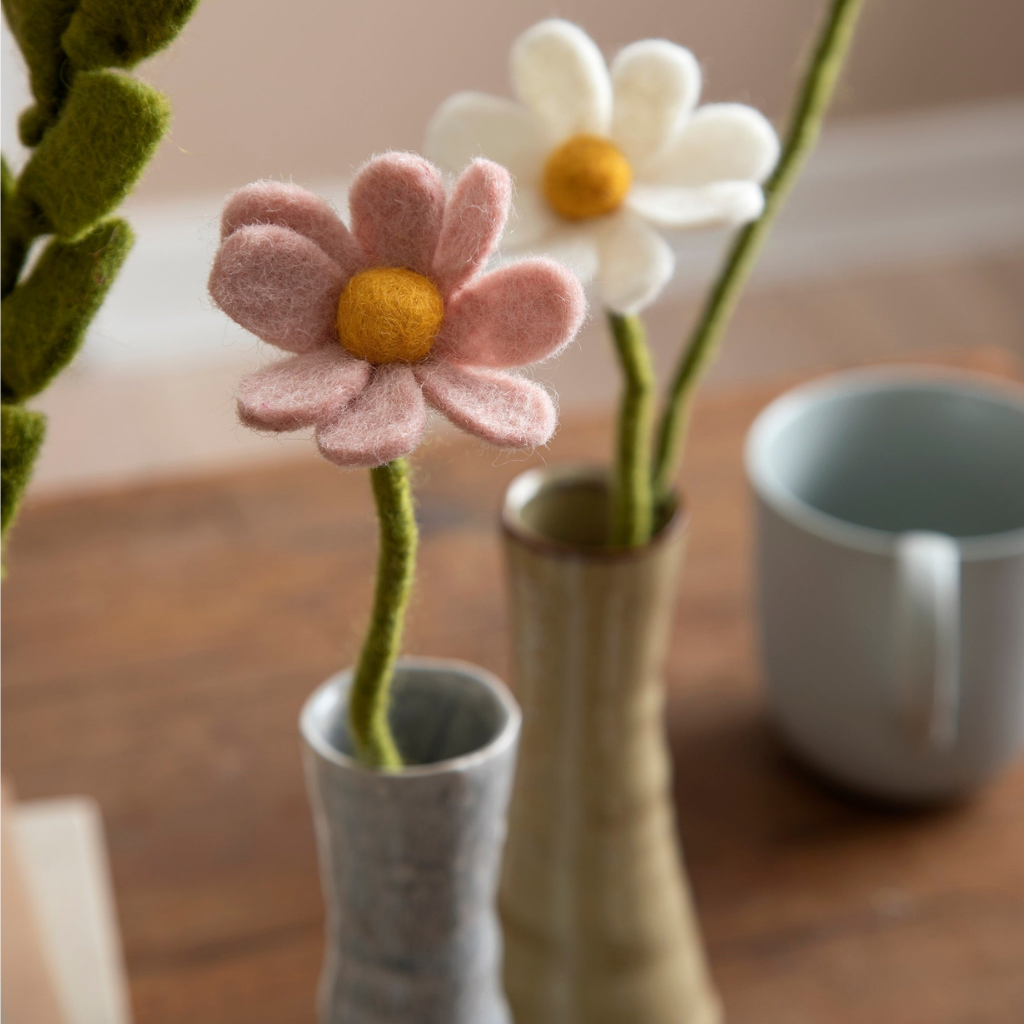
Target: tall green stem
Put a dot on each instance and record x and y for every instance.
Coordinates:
(805, 124)
(396, 565)
(632, 512)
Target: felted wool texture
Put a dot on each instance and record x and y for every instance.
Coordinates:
(279, 285)
(470, 123)
(518, 314)
(37, 25)
(301, 391)
(16, 232)
(586, 176)
(94, 153)
(396, 567)
(717, 205)
(503, 410)
(645, 108)
(389, 314)
(636, 263)
(656, 85)
(384, 423)
(721, 142)
(559, 73)
(289, 206)
(120, 33)
(474, 219)
(45, 318)
(397, 206)
(21, 438)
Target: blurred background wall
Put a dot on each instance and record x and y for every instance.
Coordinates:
(309, 88)
(924, 158)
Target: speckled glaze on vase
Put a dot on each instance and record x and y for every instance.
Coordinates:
(596, 910)
(409, 860)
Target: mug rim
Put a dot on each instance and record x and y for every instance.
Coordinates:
(794, 402)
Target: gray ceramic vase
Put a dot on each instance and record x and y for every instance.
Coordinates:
(409, 860)
(599, 924)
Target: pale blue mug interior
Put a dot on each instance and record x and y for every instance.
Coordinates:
(907, 456)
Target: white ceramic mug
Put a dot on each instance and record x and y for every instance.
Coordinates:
(890, 535)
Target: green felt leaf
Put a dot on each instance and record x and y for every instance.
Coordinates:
(120, 33)
(21, 436)
(6, 179)
(96, 150)
(21, 222)
(12, 251)
(37, 25)
(46, 316)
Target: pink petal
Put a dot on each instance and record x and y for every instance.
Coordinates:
(503, 410)
(397, 204)
(473, 222)
(385, 422)
(519, 314)
(288, 206)
(300, 391)
(279, 285)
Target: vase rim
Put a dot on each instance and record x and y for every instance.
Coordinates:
(329, 694)
(527, 485)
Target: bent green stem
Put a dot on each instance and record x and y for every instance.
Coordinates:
(631, 508)
(805, 124)
(396, 564)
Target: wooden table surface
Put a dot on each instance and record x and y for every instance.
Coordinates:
(160, 641)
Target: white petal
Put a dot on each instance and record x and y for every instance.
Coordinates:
(531, 219)
(472, 124)
(636, 263)
(559, 73)
(721, 142)
(576, 248)
(724, 203)
(656, 85)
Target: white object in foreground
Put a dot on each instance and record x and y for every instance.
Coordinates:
(63, 859)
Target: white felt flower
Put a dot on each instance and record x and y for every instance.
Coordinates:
(604, 158)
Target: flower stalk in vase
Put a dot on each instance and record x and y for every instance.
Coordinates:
(605, 160)
(632, 507)
(383, 319)
(805, 125)
(396, 567)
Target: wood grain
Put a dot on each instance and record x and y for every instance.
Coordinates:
(159, 643)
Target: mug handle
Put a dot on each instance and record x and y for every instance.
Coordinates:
(928, 636)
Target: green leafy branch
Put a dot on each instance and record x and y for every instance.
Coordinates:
(92, 129)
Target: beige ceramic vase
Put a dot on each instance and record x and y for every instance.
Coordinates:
(598, 920)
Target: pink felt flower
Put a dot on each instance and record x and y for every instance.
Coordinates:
(393, 314)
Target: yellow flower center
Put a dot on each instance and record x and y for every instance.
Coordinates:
(586, 176)
(389, 315)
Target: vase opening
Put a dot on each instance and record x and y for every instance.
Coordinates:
(569, 507)
(439, 713)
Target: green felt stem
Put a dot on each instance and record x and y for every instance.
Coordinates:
(46, 316)
(13, 247)
(38, 25)
(370, 695)
(805, 124)
(92, 131)
(20, 440)
(93, 154)
(632, 507)
(120, 33)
